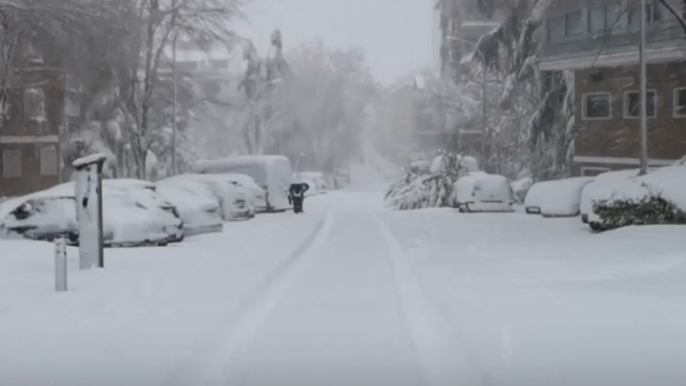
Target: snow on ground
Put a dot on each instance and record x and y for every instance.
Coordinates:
(538, 302)
(142, 317)
(352, 294)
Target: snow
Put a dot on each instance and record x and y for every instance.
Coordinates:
(480, 191)
(133, 213)
(50, 217)
(421, 192)
(234, 199)
(352, 294)
(668, 183)
(256, 195)
(272, 172)
(522, 186)
(205, 166)
(316, 181)
(601, 180)
(88, 160)
(200, 213)
(560, 198)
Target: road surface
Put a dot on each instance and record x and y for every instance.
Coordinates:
(352, 294)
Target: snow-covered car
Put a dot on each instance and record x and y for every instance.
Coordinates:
(233, 199)
(558, 198)
(600, 180)
(658, 197)
(316, 181)
(198, 208)
(256, 196)
(483, 192)
(272, 172)
(39, 217)
(134, 214)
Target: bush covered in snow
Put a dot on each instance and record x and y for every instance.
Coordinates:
(422, 191)
(432, 190)
(656, 198)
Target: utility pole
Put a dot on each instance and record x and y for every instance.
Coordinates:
(484, 107)
(174, 88)
(643, 92)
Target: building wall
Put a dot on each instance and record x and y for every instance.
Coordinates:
(619, 136)
(461, 26)
(32, 179)
(32, 133)
(587, 47)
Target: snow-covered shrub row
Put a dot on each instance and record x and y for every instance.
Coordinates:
(656, 198)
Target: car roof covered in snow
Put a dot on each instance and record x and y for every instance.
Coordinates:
(238, 161)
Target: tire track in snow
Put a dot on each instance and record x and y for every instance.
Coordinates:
(226, 361)
(445, 357)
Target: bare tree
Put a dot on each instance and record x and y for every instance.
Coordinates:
(154, 24)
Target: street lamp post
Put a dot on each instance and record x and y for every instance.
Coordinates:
(644, 96)
(174, 90)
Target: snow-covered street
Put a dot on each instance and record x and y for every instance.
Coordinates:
(353, 294)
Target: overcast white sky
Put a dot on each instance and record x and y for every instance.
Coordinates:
(397, 35)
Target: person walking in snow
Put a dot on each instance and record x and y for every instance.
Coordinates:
(296, 196)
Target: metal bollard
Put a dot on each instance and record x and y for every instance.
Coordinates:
(60, 265)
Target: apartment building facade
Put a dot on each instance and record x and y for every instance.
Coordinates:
(597, 41)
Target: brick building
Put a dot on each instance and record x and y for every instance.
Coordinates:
(598, 42)
(30, 125)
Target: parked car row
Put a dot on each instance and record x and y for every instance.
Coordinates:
(138, 213)
(142, 213)
(134, 214)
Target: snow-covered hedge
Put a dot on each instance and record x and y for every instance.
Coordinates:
(656, 198)
(607, 178)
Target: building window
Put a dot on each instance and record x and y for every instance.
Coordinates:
(565, 26)
(680, 102)
(572, 23)
(34, 105)
(48, 161)
(556, 28)
(11, 164)
(653, 14)
(596, 20)
(632, 103)
(613, 16)
(597, 106)
(603, 19)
